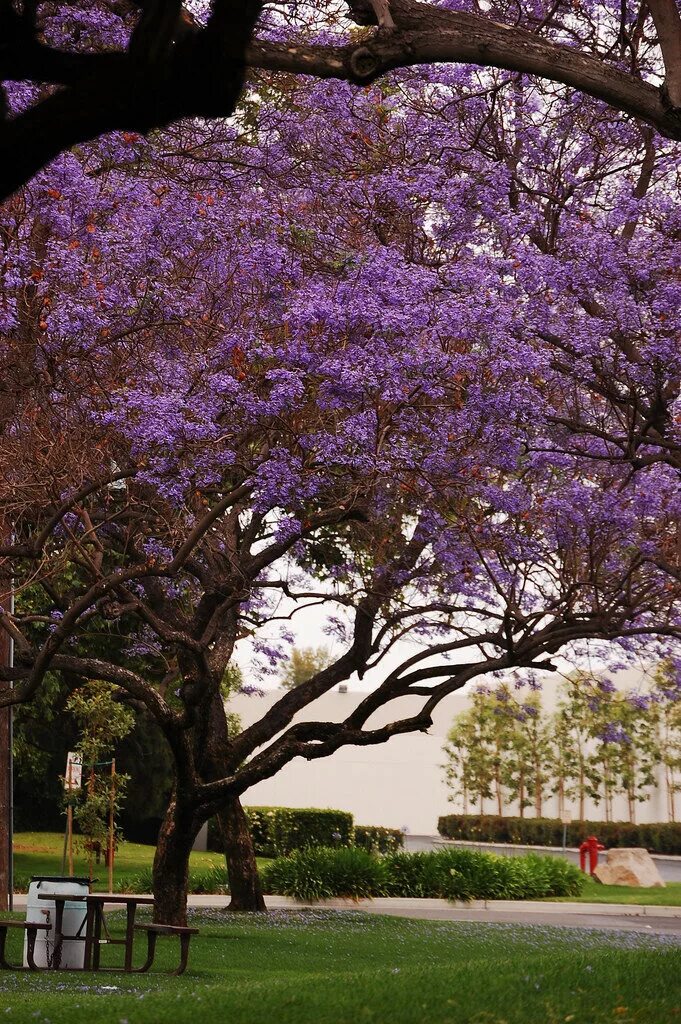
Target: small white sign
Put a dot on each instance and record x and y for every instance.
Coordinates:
(566, 817)
(74, 771)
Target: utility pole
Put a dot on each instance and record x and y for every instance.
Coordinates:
(5, 783)
(6, 764)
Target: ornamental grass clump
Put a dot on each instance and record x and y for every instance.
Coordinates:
(322, 873)
(460, 875)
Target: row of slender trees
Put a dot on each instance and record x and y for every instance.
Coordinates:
(598, 744)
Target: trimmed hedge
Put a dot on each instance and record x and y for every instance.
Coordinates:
(447, 874)
(277, 831)
(300, 828)
(377, 839)
(661, 837)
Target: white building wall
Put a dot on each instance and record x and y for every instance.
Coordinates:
(399, 783)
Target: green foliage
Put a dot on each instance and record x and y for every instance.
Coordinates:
(659, 837)
(232, 681)
(103, 721)
(277, 831)
(322, 873)
(446, 874)
(202, 882)
(299, 828)
(600, 743)
(377, 839)
(304, 663)
(260, 822)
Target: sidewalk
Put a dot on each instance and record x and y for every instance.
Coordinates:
(599, 916)
(395, 904)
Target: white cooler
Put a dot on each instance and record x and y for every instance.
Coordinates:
(43, 912)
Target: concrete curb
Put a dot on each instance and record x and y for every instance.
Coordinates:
(392, 904)
(499, 906)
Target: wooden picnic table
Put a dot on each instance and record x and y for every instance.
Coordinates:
(95, 925)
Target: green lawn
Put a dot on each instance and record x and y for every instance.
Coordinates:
(40, 853)
(324, 967)
(594, 892)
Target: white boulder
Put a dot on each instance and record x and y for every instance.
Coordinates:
(633, 867)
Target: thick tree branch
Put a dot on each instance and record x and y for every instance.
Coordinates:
(199, 72)
(667, 20)
(425, 35)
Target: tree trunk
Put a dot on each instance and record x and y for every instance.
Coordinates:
(538, 788)
(521, 793)
(171, 864)
(242, 869)
(582, 787)
(632, 807)
(672, 800)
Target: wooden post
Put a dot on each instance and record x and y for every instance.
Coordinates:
(5, 784)
(69, 819)
(91, 789)
(112, 799)
(5, 778)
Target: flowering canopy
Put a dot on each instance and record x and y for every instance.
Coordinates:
(351, 348)
(141, 64)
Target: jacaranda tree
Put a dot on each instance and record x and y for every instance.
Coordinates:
(344, 349)
(137, 65)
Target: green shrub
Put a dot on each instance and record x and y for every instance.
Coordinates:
(260, 820)
(659, 837)
(377, 839)
(322, 873)
(209, 881)
(417, 875)
(300, 828)
(447, 874)
(277, 831)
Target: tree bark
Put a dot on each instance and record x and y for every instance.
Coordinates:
(242, 869)
(171, 864)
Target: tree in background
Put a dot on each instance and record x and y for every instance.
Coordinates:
(667, 697)
(599, 743)
(576, 712)
(102, 721)
(472, 745)
(530, 752)
(342, 389)
(304, 663)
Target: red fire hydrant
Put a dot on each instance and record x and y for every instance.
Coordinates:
(590, 846)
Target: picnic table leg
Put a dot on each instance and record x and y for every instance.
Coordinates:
(97, 915)
(31, 936)
(151, 949)
(129, 935)
(58, 936)
(89, 932)
(3, 939)
(184, 954)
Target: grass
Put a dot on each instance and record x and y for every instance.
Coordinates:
(325, 967)
(40, 853)
(594, 892)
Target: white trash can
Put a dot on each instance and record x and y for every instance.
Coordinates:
(43, 912)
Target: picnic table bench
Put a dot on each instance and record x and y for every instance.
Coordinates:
(31, 928)
(92, 930)
(154, 930)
